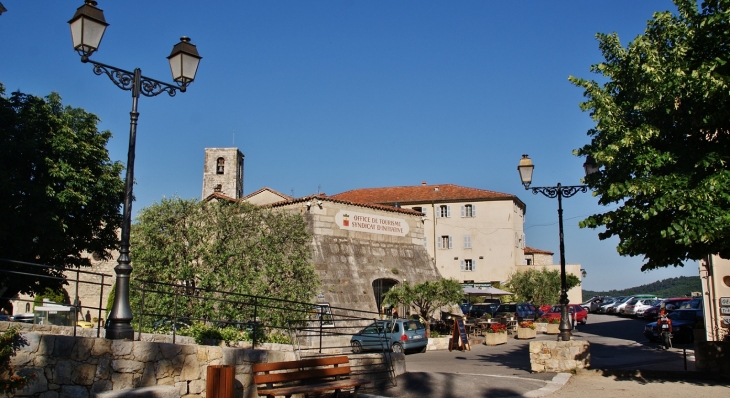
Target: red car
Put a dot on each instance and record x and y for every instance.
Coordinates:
(579, 313)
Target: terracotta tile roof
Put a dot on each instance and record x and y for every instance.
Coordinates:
(323, 198)
(275, 192)
(532, 250)
(421, 194)
(218, 195)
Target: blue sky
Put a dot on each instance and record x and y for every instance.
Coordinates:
(336, 95)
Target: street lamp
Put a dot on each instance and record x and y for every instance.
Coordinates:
(87, 29)
(526, 168)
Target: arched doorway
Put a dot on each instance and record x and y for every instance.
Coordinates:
(380, 287)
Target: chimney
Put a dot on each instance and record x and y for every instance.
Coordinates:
(423, 182)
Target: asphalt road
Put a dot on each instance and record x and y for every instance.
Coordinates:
(617, 345)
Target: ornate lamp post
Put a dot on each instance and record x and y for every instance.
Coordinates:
(526, 168)
(87, 28)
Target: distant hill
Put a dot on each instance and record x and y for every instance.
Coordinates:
(672, 287)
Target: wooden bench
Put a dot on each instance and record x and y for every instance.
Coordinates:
(311, 375)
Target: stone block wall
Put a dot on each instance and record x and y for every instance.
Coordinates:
(559, 356)
(67, 366)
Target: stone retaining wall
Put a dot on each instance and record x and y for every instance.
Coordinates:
(559, 356)
(67, 366)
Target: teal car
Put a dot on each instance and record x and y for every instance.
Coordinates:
(398, 335)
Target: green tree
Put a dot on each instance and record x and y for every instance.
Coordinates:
(236, 247)
(426, 297)
(539, 287)
(60, 194)
(662, 136)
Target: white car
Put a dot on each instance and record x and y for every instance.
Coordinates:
(636, 307)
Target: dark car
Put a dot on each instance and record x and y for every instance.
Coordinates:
(520, 311)
(695, 304)
(399, 335)
(670, 305)
(683, 322)
(479, 310)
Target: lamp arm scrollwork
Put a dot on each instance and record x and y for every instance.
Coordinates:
(564, 191)
(125, 80)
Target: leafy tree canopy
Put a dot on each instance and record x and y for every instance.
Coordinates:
(662, 136)
(224, 246)
(539, 286)
(60, 194)
(426, 297)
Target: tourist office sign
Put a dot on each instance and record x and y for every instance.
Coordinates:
(372, 223)
(725, 310)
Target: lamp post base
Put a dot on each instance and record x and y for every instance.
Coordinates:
(119, 331)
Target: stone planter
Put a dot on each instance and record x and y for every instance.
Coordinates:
(526, 333)
(495, 338)
(541, 327)
(553, 328)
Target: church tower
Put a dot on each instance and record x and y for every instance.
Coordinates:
(223, 172)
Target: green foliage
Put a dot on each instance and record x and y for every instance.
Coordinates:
(10, 342)
(60, 194)
(58, 295)
(237, 248)
(681, 286)
(426, 297)
(539, 286)
(661, 136)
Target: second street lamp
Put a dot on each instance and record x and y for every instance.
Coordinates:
(87, 29)
(526, 168)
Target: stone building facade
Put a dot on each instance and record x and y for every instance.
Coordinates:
(473, 235)
(360, 251)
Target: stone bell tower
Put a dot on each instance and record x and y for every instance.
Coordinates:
(223, 172)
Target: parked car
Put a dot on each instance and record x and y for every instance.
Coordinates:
(695, 304)
(683, 322)
(398, 335)
(520, 311)
(24, 318)
(619, 308)
(594, 303)
(635, 305)
(479, 310)
(579, 314)
(670, 305)
(608, 303)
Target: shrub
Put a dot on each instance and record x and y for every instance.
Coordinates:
(10, 342)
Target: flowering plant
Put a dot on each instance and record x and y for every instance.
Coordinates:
(546, 319)
(497, 328)
(527, 324)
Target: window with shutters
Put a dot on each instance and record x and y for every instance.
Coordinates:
(444, 211)
(467, 265)
(467, 242)
(468, 211)
(445, 242)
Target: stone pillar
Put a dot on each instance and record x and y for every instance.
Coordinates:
(559, 356)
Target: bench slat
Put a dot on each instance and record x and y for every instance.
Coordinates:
(329, 386)
(304, 363)
(301, 375)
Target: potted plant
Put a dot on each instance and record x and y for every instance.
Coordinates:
(553, 325)
(526, 330)
(496, 334)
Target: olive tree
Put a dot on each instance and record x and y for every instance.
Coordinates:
(539, 286)
(426, 297)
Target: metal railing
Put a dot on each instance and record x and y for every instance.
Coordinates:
(64, 281)
(313, 329)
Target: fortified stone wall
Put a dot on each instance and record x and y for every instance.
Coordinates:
(349, 259)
